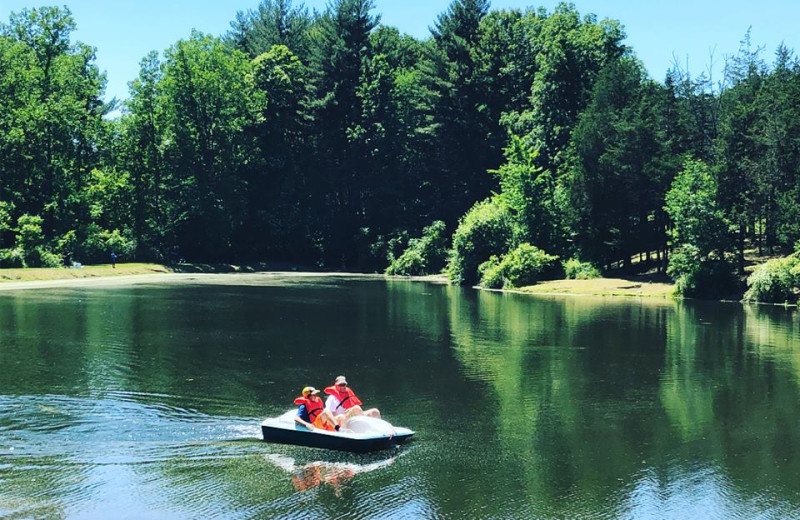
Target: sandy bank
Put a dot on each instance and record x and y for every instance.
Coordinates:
(172, 278)
(152, 274)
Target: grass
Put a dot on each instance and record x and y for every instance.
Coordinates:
(38, 274)
(31, 274)
(595, 287)
(603, 287)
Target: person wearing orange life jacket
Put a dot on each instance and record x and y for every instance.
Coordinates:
(343, 402)
(312, 413)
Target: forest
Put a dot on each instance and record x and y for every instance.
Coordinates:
(509, 146)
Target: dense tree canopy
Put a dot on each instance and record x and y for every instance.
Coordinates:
(328, 138)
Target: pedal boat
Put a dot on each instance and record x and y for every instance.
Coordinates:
(361, 434)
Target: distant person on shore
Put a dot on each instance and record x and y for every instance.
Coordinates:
(113, 260)
(343, 402)
(312, 413)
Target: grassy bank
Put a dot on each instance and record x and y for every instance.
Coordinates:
(32, 274)
(595, 287)
(602, 287)
(43, 274)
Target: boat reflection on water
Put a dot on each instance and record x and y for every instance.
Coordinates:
(318, 473)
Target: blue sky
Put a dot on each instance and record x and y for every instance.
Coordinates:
(659, 31)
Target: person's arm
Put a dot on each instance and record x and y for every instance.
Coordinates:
(299, 418)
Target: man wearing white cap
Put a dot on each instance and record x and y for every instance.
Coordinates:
(342, 401)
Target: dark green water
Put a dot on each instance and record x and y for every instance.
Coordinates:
(144, 402)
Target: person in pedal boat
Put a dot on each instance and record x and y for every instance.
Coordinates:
(311, 412)
(343, 402)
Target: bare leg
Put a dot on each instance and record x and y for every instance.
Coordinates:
(352, 412)
(327, 417)
(373, 412)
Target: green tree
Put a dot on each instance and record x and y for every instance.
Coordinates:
(615, 176)
(469, 138)
(206, 108)
(486, 230)
(533, 196)
(340, 52)
(273, 22)
(700, 235)
(140, 151)
(779, 140)
(275, 215)
(571, 52)
(741, 192)
(52, 118)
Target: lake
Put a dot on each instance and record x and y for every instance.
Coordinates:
(144, 402)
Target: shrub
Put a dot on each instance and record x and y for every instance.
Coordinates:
(525, 265)
(485, 230)
(491, 274)
(6, 219)
(425, 255)
(774, 281)
(31, 243)
(410, 263)
(433, 246)
(574, 269)
(30, 235)
(12, 258)
(42, 257)
(701, 278)
(100, 243)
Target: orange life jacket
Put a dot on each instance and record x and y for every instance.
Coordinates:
(347, 399)
(313, 408)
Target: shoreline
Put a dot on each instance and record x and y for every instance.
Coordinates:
(149, 274)
(143, 274)
(139, 274)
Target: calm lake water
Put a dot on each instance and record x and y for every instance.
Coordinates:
(144, 402)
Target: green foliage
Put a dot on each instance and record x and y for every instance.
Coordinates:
(410, 263)
(41, 257)
(425, 255)
(572, 50)
(525, 265)
(533, 196)
(31, 245)
(775, 281)
(699, 263)
(691, 204)
(109, 195)
(12, 258)
(574, 269)
(68, 243)
(487, 229)
(30, 235)
(100, 243)
(275, 22)
(490, 273)
(6, 216)
(469, 137)
(314, 137)
(615, 177)
(206, 110)
(702, 277)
